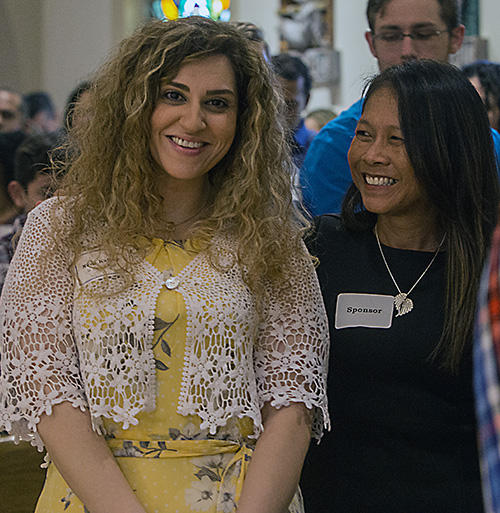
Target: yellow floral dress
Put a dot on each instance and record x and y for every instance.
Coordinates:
(170, 463)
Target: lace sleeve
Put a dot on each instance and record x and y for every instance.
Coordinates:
(291, 357)
(39, 363)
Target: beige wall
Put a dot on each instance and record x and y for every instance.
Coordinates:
(54, 44)
(78, 35)
(20, 43)
(349, 26)
(264, 13)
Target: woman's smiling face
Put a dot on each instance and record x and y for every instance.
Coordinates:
(194, 122)
(380, 166)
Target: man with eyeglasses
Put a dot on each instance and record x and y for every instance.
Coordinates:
(400, 30)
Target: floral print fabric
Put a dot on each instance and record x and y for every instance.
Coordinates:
(89, 340)
(172, 464)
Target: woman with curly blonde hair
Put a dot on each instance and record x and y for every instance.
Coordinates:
(163, 333)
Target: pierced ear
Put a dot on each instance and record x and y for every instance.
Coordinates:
(17, 194)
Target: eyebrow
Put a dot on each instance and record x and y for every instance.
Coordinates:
(184, 87)
(425, 24)
(366, 122)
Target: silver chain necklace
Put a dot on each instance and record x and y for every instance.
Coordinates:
(402, 302)
(170, 226)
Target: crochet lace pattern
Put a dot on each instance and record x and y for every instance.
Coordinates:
(60, 342)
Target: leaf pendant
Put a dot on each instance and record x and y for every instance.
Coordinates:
(403, 304)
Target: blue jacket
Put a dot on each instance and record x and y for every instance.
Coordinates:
(325, 175)
(301, 141)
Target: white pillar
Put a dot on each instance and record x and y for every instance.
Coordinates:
(356, 61)
(264, 14)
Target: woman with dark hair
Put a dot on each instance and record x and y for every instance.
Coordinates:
(399, 271)
(162, 328)
(78, 93)
(485, 77)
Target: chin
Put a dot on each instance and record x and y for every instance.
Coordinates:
(375, 207)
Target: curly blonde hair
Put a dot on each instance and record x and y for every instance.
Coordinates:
(110, 184)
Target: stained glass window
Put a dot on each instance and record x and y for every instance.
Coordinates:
(173, 9)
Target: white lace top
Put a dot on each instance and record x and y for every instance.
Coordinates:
(60, 343)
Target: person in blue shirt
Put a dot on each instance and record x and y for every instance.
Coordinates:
(400, 30)
(485, 77)
(296, 82)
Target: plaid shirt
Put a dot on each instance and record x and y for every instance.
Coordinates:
(486, 377)
(7, 247)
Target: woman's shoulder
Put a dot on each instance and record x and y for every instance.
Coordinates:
(51, 218)
(55, 207)
(324, 227)
(329, 223)
(331, 232)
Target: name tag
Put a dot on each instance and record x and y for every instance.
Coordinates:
(364, 310)
(90, 266)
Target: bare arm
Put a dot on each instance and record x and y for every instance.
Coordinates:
(274, 472)
(86, 462)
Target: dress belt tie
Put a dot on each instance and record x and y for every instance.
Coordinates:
(187, 449)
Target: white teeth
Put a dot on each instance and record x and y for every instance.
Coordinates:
(379, 180)
(186, 144)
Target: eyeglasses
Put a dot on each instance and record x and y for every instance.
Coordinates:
(423, 35)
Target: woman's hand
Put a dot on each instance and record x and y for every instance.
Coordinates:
(86, 462)
(274, 472)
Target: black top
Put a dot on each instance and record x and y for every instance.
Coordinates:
(403, 434)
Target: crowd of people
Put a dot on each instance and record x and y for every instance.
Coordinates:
(210, 302)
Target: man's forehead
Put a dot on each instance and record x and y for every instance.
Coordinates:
(414, 26)
(409, 14)
(11, 99)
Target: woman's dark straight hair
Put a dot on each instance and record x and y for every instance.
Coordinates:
(449, 144)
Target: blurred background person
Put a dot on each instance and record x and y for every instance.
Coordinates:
(317, 119)
(9, 142)
(41, 116)
(80, 92)
(12, 111)
(32, 183)
(296, 83)
(255, 34)
(485, 76)
(487, 375)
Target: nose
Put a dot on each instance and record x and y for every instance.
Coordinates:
(192, 118)
(377, 154)
(407, 47)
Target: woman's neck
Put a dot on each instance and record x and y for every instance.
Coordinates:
(182, 208)
(419, 234)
